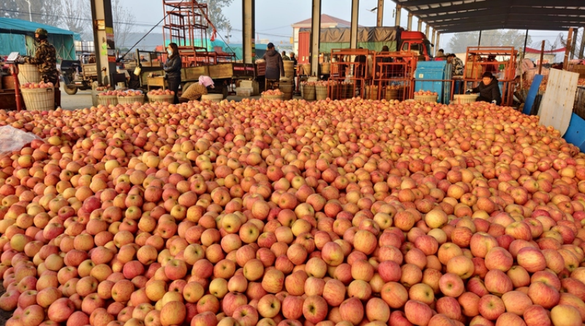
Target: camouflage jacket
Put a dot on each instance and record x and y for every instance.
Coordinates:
(46, 59)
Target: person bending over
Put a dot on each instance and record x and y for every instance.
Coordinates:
(488, 89)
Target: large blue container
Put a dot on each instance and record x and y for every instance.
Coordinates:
(427, 71)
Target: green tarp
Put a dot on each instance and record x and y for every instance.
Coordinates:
(17, 35)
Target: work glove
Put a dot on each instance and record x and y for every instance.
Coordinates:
(494, 101)
(20, 59)
(468, 91)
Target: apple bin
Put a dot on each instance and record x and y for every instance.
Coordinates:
(258, 212)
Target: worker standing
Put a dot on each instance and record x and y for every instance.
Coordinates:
(46, 60)
(172, 69)
(284, 56)
(274, 65)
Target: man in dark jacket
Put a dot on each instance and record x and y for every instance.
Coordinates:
(488, 89)
(274, 65)
(46, 60)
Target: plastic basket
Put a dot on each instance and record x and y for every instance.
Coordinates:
(107, 100)
(467, 98)
(426, 98)
(161, 98)
(131, 99)
(212, 97)
(38, 99)
(28, 73)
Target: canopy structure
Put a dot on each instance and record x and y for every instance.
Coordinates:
(17, 35)
(473, 15)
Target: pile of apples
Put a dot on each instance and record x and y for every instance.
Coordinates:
(161, 92)
(111, 93)
(425, 93)
(131, 92)
(292, 213)
(102, 88)
(272, 92)
(42, 84)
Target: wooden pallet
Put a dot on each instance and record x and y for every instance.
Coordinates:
(556, 108)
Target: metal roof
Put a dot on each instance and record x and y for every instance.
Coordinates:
(474, 15)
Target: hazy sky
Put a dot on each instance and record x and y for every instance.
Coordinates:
(275, 17)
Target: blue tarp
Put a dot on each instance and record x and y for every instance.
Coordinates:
(19, 34)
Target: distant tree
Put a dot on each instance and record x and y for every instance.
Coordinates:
(460, 41)
(214, 8)
(76, 15)
(46, 12)
(123, 22)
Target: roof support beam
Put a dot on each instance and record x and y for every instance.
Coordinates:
(509, 3)
(409, 22)
(398, 12)
(458, 28)
(355, 6)
(380, 19)
(315, 37)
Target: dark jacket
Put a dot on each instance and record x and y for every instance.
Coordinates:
(173, 68)
(489, 92)
(46, 59)
(274, 65)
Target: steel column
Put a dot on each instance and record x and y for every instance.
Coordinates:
(398, 12)
(419, 25)
(315, 37)
(582, 49)
(479, 39)
(427, 30)
(409, 22)
(433, 37)
(248, 30)
(380, 20)
(355, 4)
(438, 42)
(525, 41)
(103, 34)
(574, 45)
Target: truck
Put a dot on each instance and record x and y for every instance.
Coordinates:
(79, 74)
(371, 38)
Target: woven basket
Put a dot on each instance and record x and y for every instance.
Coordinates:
(309, 92)
(38, 99)
(28, 73)
(212, 97)
(426, 98)
(107, 100)
(161, 98)
(273, 97)
(131, 99)
(467, 98)
(320, 92)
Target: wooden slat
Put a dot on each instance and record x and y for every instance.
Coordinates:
(556, 107)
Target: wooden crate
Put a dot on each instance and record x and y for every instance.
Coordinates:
(580, 69)
(221, 70)
(7, 99)
(193, 73)
(156, 81)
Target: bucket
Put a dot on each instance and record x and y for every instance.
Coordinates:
(161, 98)
(39, 99)
(321, 92)
(131, 99)
(325, 68)
(107, 100)
(28, 73)
(287, 90)
(289, 68)
(309, 92)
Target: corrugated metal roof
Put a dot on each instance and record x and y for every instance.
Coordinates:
(473, 15)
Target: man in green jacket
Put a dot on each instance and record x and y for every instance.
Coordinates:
(46, 60)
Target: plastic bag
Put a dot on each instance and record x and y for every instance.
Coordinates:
(12, 139)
